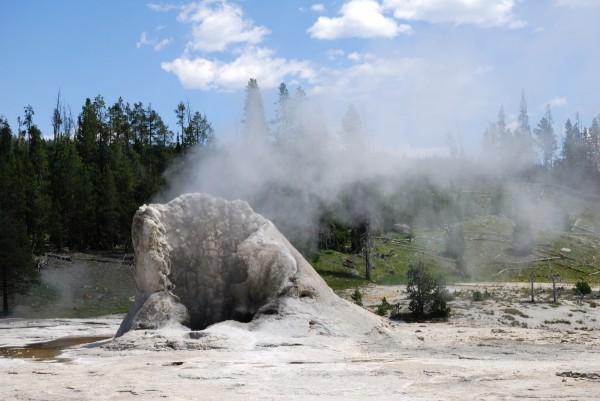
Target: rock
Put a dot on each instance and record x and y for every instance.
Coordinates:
(349, 263)
(402, 229)
(161, 309)
(565, 250)
(201, 260)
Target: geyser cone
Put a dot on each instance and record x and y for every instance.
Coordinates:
(200, 260)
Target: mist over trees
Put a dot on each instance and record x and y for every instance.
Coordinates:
(526, 153)
(317, 180)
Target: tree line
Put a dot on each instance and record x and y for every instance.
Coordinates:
(79, 189)
(514, 151)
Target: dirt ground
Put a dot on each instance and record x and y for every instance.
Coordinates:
(500, 348)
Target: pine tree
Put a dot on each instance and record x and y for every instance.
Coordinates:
(36, 184)
(573, 149)
(283, 118)
(255, 122)
(16, 260)
(118, 124)
(523, 142)
(546, 139)
(57, 118)
(593, 146)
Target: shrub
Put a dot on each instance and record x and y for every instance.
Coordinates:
(357, 297)
(428, 296)
(583, 288)
(480, 296)
(383, 307)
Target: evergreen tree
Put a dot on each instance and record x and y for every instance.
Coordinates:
(28, 120)
(5, 137)
(139, 126)
(283, 118)
(546, 139)
(593, 146)
(523, 141)
(57, 118)
(88, 127)
(16, 260)
(36, 184)
(198, 132)
(255, 122)
(118, 123)
(573, 149)
(180, 113)
(65, 165)
(428, 296)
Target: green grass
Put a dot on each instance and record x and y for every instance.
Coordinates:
(488, 253)
(391, 262)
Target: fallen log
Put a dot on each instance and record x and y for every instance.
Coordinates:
(537, 260)
(589, 232)
(394, 241)
(106, 260)
(57, 256)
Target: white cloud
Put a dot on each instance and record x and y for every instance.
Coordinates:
(162, 7)
(143, 40)
(333, 54)
(483, 13)
(363, 78)
(318, 8)
(216, 25)
(557, 101)
(161, 44)
(154, 42)
(357, 57)
(359, 18)
(202, 73)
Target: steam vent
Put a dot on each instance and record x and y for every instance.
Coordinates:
(201, 260)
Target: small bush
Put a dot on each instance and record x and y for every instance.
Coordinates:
(357, 297)
(383, 307)
(428, 296)
(480, 296)
(582, 288)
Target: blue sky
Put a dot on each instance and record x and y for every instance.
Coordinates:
(416, 70)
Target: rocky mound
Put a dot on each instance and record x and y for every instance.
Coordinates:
(201, 260)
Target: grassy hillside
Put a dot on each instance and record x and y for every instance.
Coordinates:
(565, 230)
